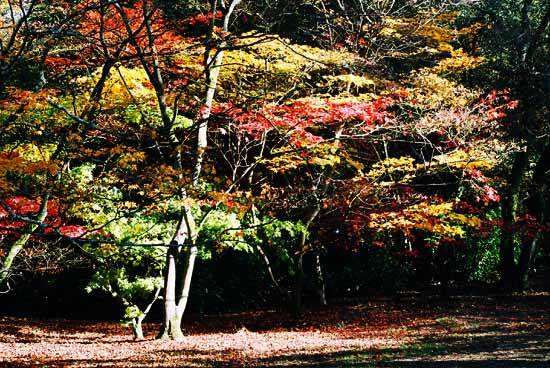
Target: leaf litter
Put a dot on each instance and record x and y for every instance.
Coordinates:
(501, 331)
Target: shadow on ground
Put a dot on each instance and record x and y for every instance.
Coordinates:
(466, 332)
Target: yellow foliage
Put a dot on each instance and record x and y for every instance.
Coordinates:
(423, 26)
(350, 161)
(271, 66)
(437, 219)
(396, 168)
(323, 154)
(432, 91)
(123, 85)
(34, 153)
(131, 158)
(428, 27)
(431, 87)
(458, 61)
(460, 159)
(27, 159)
(471, 221)
(348, 83)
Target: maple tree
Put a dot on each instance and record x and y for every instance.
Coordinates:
(313, 160)
(161, 136)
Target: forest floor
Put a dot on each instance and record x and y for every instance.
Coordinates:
(408, 330)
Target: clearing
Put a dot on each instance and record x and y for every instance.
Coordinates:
(404, 331)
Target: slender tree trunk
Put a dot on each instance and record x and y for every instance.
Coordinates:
(320, 281)
(178, 273)
(20, 243)
(137, 322)
(538, 209)
(137, 327)
(181, 255)
(213, 66)
(285, 294)
(186, 274)
(181, 263)
(509, 212)
(296, 307)
(95, 96)
(213, 59)
(445, 254)
(299, 261)
(526, 260)
(171, 327)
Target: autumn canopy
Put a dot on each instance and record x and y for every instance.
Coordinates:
(214, 154)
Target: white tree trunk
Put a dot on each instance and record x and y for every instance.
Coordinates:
(181, 256)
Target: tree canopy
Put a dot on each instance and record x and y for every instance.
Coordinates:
(324, 145)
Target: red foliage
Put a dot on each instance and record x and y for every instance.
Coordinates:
(497, 103)
(293, 119)
(24, 206)
(20, 205)
(106, 32)
(202, 19)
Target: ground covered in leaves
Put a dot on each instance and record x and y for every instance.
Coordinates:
(404, 331)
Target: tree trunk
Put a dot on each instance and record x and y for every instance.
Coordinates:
(509, 211)
(95, 96)
(187, 259)
(137, 327)
(538, 209)
(171, 327)
(213, 60)
(137, 322)
(445, 255)
(20, 243)
(299, 261)
(180, 263)
(320, 281)
(296, 307)
(529, 247)
(285, 294)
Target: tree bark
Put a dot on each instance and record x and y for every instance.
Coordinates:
(137, 322)
(509, 214)
(137, 327)
(170, 328)
(320, 281)
(213, 60)
(187, 259)
(538, 209)
(299, 261)
(296, 307)
(177, 279)
(20, 243)
(181, 255)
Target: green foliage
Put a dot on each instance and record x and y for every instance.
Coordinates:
(279, 232)
(280, 237)
(482, 258)
(384, 148)
(513, 26)
(130, 275)
(139, 114)
(221, 231)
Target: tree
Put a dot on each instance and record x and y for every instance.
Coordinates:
(144, 40)
(520, 63)
(191, 133)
